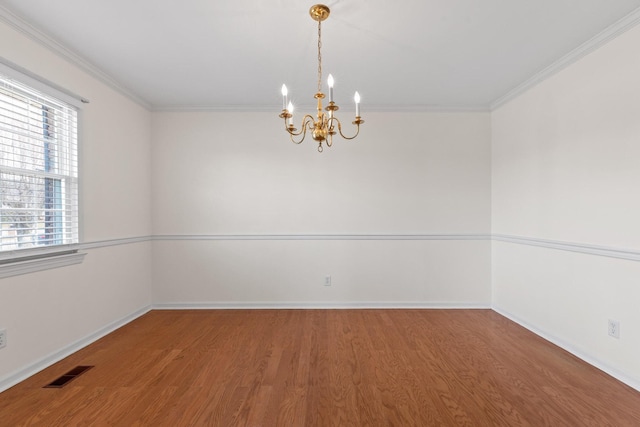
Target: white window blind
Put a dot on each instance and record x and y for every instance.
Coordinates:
(38, 169)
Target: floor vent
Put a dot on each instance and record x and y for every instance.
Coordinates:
(68, 377)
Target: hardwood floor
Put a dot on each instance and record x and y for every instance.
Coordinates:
(323, 368)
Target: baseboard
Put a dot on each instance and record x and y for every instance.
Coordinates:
(256, 305)
(615, 373)
(45, 362)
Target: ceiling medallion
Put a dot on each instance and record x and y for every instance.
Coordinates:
(323, 126)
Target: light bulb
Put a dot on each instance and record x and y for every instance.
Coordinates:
(290, 108)
(284, 97)
(330, 81)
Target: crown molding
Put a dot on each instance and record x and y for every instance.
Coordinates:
(380, 108)
(428, 108)
(185, 237)
(608, 34)
(611, 32)
(22, 26)
(222, 108)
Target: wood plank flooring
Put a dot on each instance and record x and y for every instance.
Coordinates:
(323, 368)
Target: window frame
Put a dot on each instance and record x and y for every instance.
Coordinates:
(28, 260)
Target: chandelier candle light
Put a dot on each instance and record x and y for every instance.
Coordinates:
(323, 126)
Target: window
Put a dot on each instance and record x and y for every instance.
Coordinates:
(38, 170)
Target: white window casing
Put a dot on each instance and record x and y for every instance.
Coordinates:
(39, 190)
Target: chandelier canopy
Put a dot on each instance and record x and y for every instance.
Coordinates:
(324, 125)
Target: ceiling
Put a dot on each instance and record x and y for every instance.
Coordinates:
(405, 54)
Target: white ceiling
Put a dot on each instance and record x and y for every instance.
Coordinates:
(404, 54)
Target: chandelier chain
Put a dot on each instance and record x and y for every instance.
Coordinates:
(319, 56)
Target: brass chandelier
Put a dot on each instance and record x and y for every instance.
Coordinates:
(323, 126)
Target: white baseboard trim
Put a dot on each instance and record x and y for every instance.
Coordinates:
(45, 362)
(615, 373)
(258, 305)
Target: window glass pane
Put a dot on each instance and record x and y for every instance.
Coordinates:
(38, 169)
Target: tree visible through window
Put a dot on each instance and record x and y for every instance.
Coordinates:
(38, 169)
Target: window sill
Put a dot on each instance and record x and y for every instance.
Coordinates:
(45, 263)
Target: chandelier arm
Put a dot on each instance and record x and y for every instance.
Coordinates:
(307, 123)
(297, 142)
(286, 127)
(340, 129)
(330, 129)
(291, 129)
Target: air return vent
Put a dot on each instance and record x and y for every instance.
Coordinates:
(68, 377)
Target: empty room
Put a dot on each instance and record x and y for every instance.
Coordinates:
(413, 213)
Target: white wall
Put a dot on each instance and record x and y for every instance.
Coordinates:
(418, 174)
(565, 168)
(246, 218)
(47, 312)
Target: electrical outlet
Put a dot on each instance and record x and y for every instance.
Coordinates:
(614, 328)
(3, 338)
(327, 280)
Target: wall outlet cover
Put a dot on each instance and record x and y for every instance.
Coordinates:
(614, 328)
